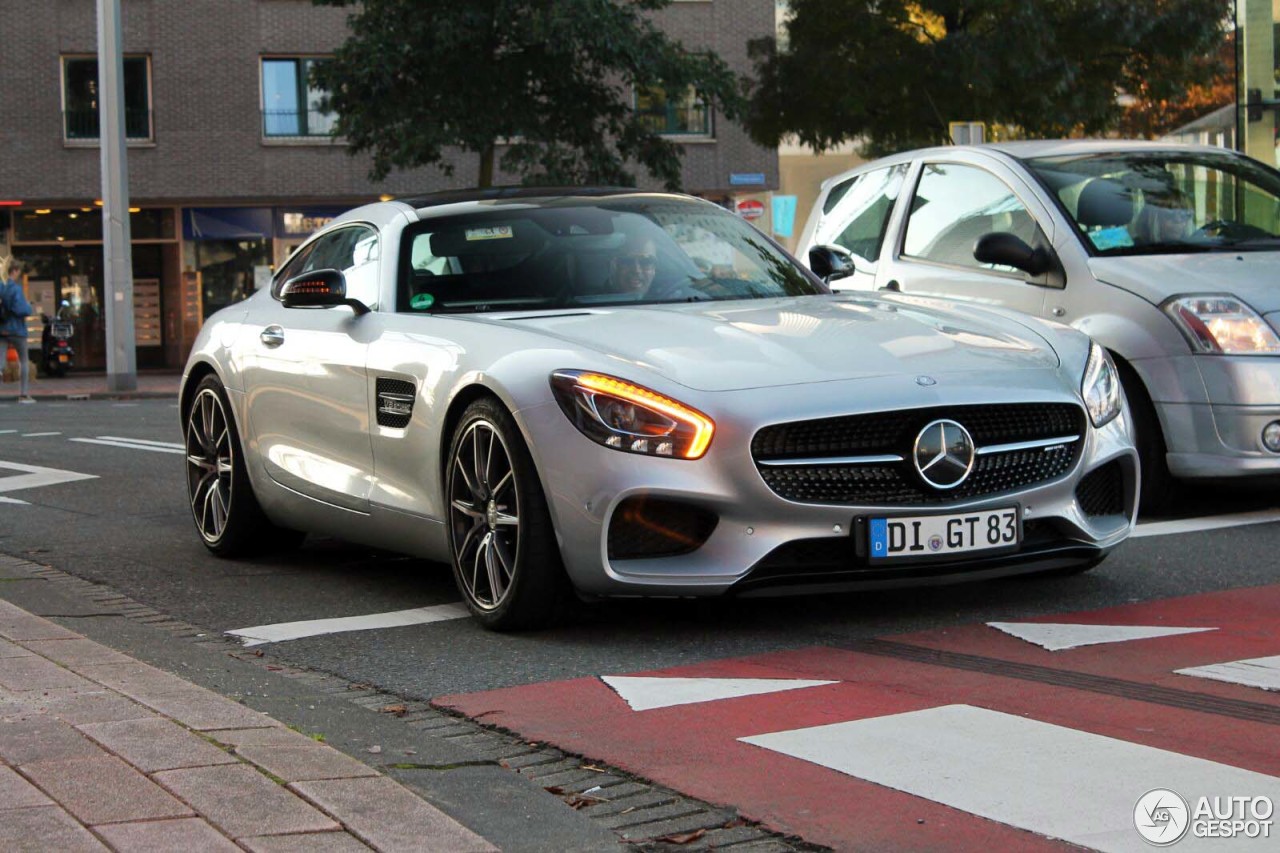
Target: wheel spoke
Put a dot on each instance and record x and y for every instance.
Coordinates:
(497, 586)
(467, 509)
(475, 460)
(507, 520)
(466, 478)
(506, 480)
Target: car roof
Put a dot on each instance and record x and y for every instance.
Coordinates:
(476, 199)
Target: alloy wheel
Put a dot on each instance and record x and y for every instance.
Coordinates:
(210, 461)
(484, 514)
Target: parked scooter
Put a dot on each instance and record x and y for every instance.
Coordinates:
(57, 356)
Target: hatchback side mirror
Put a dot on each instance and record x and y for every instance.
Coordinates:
(831, 262)
(319, 289)
(1010, 250)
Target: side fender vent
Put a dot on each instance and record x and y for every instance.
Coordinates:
(395, 402)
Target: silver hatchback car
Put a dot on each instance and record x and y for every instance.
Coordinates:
(1169, 256)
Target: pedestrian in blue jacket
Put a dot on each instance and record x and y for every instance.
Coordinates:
(14, 310)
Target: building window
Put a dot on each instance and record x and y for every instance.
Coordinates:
(80, 97)
(683, 114)
(290, 103)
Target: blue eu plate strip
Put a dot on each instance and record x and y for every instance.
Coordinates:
(879, 537)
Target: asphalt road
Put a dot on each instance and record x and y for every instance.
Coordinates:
(129, 527)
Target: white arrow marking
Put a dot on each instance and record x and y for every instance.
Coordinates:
(1212, 522)
(1056, 637)
(643, 693)
(1255, 672)
(316, 627)
(130, 445)
(1048, 779)
(34, 476)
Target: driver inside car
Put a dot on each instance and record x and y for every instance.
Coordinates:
(632, 269)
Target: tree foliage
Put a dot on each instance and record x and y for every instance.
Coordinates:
(550, 82)
(1147, 115)
(894, 73)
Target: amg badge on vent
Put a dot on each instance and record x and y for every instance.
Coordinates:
(395, 402)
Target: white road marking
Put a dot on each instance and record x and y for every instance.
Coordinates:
(39, 434)
(7, 431)
(643, 693)
(4, 500)
(1209, 522)
(316, 627)
(34, 476)
(1255, 672)
(129, 445)
(175, 444)
(1047, 779)
(1056, 637)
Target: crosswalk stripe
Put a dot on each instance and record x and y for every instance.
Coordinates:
(1057, 636)
(143, 441)
(1052, 780)
(316, 627)
(644, 693)
(39, 434)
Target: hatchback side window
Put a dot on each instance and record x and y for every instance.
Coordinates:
(954, 205)
(859, 215)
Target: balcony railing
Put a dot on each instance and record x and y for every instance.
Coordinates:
(82, 123)
(297, 124)
(679, 120)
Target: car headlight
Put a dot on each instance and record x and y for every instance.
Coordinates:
(630, 417)
(1222, 324)
(1101, 386)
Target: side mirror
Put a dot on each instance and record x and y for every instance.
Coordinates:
(319, 289)
(1010, 250)
(831, 262)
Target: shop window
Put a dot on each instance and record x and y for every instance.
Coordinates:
(85, 224)
(290, 102)
(80, 98)
(673, 114)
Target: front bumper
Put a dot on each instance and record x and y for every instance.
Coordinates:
(758, 536)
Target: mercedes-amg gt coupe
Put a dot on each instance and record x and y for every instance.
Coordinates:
(619, 393)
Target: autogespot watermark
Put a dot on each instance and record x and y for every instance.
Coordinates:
(1163, 817)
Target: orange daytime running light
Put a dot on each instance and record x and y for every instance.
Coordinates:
(703, 427)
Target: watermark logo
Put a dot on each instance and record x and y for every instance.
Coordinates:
(1161, 816)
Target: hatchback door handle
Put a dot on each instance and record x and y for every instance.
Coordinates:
(272, 336)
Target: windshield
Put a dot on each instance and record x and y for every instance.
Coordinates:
(590, 252)
(1166, 202)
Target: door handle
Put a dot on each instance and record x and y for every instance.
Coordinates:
(272, 336)
(893, 285)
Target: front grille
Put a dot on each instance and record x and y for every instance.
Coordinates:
(1101, 492)
(644, 527)
(894, 434)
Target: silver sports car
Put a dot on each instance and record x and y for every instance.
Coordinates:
(614, 393)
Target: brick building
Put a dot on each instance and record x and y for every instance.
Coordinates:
(230, 164)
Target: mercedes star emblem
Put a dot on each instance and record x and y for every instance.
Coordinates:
(926, 381)
(944, 454)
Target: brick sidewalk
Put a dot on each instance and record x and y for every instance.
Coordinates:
(77, 385)
(100, 751)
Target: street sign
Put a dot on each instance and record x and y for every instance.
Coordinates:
(750, 208)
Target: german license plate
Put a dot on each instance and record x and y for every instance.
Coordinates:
(934, 535)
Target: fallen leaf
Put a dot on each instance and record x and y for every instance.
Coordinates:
(594, 769)
(682, 837)
(398, 710)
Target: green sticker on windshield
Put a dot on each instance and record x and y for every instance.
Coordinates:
(422, 301)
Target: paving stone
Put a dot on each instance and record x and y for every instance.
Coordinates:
(595, 780)
(18, 625)
(539, 771)
(276, 736)
(13, 650)
(568, 777)
(88, 706)
(242, 802)
(305, 763)
(307, 842)
(203, 710)
(625, 818)
(388, 816)
(18, 793)
(132, 679)
(40, 830)
(768, 845)
(628, 789)
(156, 744)
(42, 738)
(103, 790)
(36, 673)
(630, 805)
(718, 838)
(529, 759)
(165, 836)
(687, 823)
(76, 651)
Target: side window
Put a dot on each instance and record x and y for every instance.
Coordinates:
(352, 250)
(859, 215)
(954, 205)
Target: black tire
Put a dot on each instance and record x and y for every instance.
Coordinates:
(505, 559)
(1158, 486)
(223, 505)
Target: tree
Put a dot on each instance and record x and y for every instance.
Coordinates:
(894, 73)
(1148, 116)
(550, 81)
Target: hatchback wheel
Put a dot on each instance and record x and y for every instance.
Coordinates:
(505, 558)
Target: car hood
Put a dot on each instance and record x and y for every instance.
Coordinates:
(1250, 276)
(770, 342)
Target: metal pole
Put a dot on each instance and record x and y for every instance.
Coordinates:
(122, 374)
